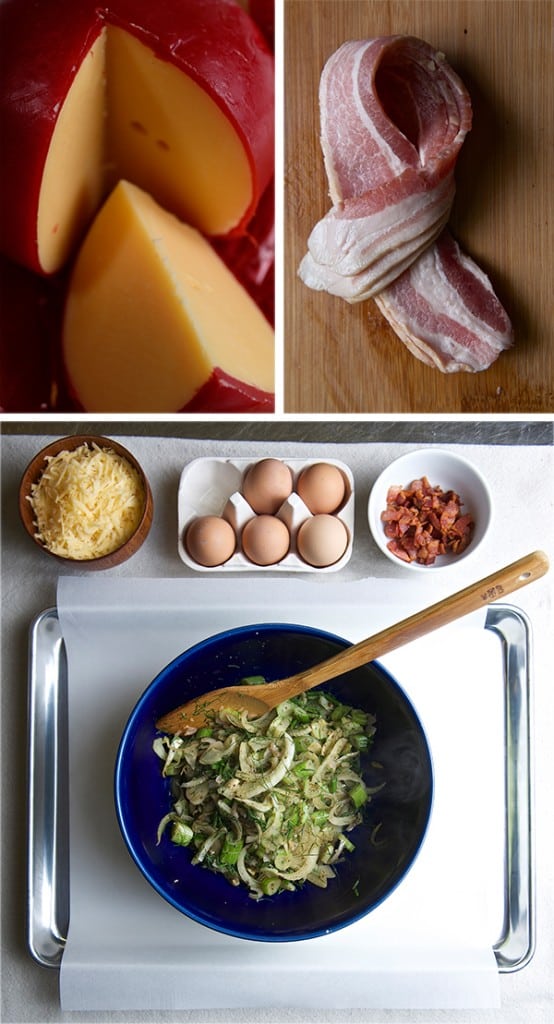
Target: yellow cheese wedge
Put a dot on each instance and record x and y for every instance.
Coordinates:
(73, 182)
(166, 135)
(129, 114)
(152, 311)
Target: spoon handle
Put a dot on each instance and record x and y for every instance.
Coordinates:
(498, 585)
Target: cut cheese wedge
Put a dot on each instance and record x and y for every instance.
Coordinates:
(176, 97)
(153, 314)
(169, 137)
(73, 180)
(156, 127)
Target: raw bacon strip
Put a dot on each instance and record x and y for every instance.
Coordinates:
(386, 105)
(445, 311)
(393, 118)
(368, 253)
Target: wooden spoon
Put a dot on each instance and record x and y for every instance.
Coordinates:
(256, 700)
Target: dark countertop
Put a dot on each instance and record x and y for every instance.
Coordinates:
(538, 431)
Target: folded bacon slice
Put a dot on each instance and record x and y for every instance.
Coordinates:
(445, 311)
(356, 257)
(394, 116)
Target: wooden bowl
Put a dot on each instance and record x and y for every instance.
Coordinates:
(33, 473)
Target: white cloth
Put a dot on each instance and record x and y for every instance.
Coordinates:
(521, 482)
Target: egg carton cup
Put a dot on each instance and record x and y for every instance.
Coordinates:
(212, 486)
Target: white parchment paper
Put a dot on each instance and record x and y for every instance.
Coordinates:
(428, 946)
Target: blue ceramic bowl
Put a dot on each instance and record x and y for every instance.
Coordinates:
(365, 877)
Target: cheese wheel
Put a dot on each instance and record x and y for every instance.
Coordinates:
(153, 315)
(177, 97)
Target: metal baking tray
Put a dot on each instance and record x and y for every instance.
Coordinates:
(48, 816)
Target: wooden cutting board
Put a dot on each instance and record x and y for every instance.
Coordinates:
(346, 359)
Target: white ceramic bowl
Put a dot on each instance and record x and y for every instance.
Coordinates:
(445, 469)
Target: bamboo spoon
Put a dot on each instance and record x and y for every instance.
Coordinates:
(256, 700)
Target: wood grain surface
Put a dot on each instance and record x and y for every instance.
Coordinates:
(346, 359)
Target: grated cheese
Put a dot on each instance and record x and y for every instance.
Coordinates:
(87, 503)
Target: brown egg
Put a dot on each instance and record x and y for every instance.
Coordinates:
(265, 540)
(322, 540)
(210, 540)
(321, 487)
(266, 485)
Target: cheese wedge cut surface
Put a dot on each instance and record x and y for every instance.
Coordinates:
(166, 135)
(129, 114)
(73, 182)
(152, 311)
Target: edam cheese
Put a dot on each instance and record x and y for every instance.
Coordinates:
(177, 97)
(152, 312)
(87, 502)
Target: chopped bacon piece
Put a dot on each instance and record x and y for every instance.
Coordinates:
(423, 522)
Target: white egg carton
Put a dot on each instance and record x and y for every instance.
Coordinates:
(210, 485)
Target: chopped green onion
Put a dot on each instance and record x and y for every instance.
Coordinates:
(338, 712)
(358, 795)
(181, 834)
(203, 732)
(253, 680)
(346, 842)
(230, 851)
(270, 886)
(301, 714)
(285, 709)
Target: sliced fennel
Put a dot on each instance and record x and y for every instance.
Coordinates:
(268, 802)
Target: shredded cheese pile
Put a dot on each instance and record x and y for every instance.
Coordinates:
(87, 502)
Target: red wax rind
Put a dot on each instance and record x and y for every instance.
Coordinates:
(223, 393)
(220, 393)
